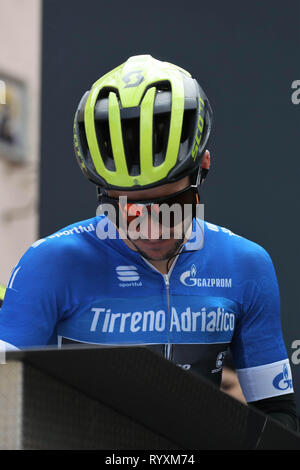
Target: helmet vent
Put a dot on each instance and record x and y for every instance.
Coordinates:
(131, 140)
(102, 127)
(104, 142)
(187, 132)
(161, 127)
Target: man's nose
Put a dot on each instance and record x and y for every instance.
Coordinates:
(150, 228)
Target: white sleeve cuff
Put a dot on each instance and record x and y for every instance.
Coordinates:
(266, 381)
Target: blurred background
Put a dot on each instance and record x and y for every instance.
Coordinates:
(245, 56)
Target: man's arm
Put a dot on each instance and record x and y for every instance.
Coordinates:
(30, 309)
(258, 347)
(281, 408)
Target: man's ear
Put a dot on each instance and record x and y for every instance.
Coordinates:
(205, 160)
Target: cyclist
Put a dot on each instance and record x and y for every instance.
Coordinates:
(141, 135)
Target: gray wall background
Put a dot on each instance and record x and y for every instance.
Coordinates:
(246, 56)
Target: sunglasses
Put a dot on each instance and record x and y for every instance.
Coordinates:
(174, 206)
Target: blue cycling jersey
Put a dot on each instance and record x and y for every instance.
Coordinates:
(78, 286)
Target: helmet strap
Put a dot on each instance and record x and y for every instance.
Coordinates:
(99, 193)
(199, 178)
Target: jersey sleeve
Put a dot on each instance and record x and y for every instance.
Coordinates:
(258, 347)
(31, 307)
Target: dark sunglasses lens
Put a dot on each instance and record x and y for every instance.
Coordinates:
(167, 211)
(182, 207)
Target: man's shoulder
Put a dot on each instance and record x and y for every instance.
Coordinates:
(73, 231)
(66, 242)
(62, 255)
(224, 242)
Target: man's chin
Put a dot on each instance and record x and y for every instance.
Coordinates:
(157, 250)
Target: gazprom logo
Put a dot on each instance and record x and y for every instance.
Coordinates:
(189, 279)
(193, 271)
(283, 381)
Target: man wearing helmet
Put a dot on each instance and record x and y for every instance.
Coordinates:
(141, 135)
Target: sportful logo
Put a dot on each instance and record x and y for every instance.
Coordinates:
(127, 273)
(129, 276)
(74, 230)
(71, 231)
(282, 381)
(189, 279)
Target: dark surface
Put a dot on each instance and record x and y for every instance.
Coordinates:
(59, 416)
(245, 56)
(148, 390)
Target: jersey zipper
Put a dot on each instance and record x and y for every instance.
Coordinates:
(168, 349)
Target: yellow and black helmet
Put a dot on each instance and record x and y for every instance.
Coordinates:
(143, 124)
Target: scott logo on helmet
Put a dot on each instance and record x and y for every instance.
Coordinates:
(136, 76)
(76, 145)
(199, 130)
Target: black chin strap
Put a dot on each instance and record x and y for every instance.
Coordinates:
(98, 191)
(200, 178)
(203, 175)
